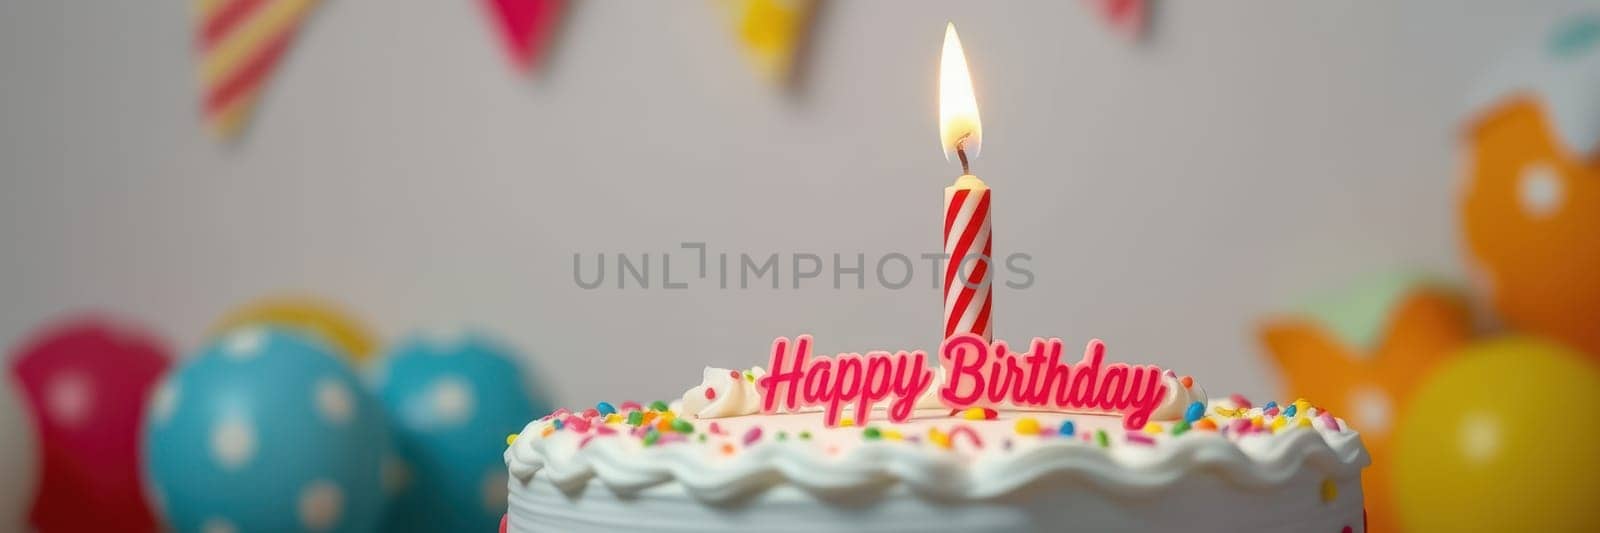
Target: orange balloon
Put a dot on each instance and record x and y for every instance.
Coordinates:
(1531, 218)
(1367, 386)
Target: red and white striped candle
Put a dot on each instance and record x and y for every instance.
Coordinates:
(967, 274)
(967, 245)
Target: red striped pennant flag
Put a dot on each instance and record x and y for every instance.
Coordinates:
(240, 43)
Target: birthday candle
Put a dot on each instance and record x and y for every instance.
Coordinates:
(967, 243)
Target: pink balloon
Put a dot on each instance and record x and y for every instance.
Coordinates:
(86, 381)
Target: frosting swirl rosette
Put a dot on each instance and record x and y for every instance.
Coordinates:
(724, 392)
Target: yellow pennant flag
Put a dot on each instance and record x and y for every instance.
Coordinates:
(240, 43)
(771, 32)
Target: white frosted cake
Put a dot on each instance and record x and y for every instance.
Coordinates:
(720, 459)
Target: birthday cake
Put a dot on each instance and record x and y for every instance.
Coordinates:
(989, 440)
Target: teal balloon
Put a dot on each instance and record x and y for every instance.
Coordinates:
(265, 430)
(452, 401)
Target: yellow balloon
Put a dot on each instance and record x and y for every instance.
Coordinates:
(1502, 438)
(306, 314)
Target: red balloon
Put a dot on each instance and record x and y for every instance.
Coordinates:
(86, 381)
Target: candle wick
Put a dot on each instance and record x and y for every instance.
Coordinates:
(961, 152)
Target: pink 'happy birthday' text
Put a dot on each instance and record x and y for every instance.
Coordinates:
(979, 374)
(802, 380)
(990, 375)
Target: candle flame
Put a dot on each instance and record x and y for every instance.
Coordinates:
(959, 126)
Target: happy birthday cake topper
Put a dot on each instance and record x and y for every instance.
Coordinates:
(980, 374)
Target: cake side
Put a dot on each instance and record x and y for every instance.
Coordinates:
(1015, 467)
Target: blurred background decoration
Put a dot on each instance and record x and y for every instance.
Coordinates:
(85, 379)
(1531, 209)
(771, 33)
(239, 43)
(1447, 415)
(266, 430)
(310, 315)
(1362, 353)
(1483, 445)
(451, 400)
(1255, 152)
(525, 28)
(1128, 18)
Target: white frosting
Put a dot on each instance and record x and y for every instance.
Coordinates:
(840, 460)
(732, 394)
(1178, 399)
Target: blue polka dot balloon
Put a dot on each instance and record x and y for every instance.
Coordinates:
(452, 401)
(265, 430)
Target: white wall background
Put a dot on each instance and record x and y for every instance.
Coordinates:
(1170, 193)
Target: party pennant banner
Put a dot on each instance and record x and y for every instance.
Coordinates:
(525, 27)
(240, 43)
(1126, 17)
(771, 32)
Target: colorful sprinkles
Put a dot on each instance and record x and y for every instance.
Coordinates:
(657, 424)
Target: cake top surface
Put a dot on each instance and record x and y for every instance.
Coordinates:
(716, 444)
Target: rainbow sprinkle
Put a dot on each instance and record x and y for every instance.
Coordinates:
(980, 413)
(971, 434)
(1194, 412)
(1027, 426)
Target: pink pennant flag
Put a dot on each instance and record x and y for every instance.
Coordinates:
(1126, 17)
(525, 27)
